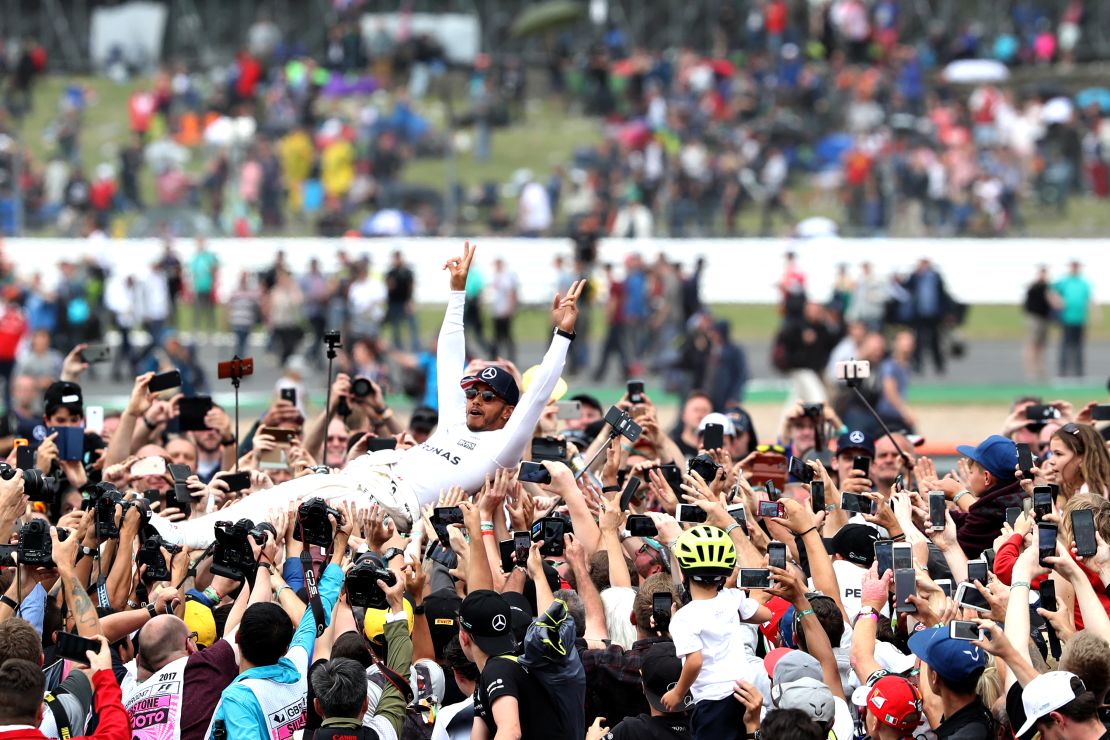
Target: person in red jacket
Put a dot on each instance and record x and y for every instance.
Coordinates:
(21, 703)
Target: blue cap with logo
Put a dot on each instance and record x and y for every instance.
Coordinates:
(955, 661)
(855, 440)
(499, 380)
(995, 453)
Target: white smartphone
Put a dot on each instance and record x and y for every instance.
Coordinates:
(568, 410)
(94, 419)
(152, 465)
(902, 556)
(969, 596)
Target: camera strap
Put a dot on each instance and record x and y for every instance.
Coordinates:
(314, 602)
(394, 678)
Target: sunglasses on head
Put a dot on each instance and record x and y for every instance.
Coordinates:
(1070, 428)
(486, 395)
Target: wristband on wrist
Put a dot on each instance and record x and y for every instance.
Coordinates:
(1020, 584)
(418, 609)
(9, 602)
(212, 595)
(149, 426)
(487, 526)
(729, 528)
(610, 489)
(804, 613)
(960, 494)
(282, 587)
(488, 533)
(803, 534)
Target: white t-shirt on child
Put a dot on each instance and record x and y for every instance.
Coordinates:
(713, 627)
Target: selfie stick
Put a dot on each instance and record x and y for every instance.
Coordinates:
(853, 383)
(614, 434)
(236, 378)
(333, 344)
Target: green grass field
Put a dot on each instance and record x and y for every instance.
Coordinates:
(548, 136)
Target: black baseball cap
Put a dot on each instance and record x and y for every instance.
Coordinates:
(488, 619)
(499, 380)
(856, 544)
(659, 672)
(62, 393)
(855, 440)
(441, 609)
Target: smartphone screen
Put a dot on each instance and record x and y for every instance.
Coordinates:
(548, 448)
(635, 391)
(945, 585)
(862, 463)
(884, 556)
(506, 548)
(776, 555)
(448, 515)
(531, 472)
(191, 411)
(165, 381)
(1047, 592)
(1083, 532)
(903, 556)
(1042, 502)
(905, 585)
(661, 604)
(73, 647)
(1025, 459)
(1101, 412)
(799, 470)
(757, 578)
(969, 596)
(960, 630)
(937, 505)
(855, 503)
(713, 437)
(691, 514)
(237, 481)
(641, 525)
(977, 571)
(770, 509)
(521, 542)
(631, 487)
(817, 495)
(96, 353)
(1046, 542)
(1012, 514)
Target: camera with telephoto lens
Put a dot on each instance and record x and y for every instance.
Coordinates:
(313, 526)
(35, 547)
(36, 486)
(704, 466)
(150, 555)
(362, 583)
(104, 497)
(232, 556)
(361, 387)
(814, 410)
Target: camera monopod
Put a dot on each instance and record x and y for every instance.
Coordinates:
(236, 369)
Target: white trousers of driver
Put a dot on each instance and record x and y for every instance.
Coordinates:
(366, 480)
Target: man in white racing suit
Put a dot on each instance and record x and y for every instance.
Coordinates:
(484, 424)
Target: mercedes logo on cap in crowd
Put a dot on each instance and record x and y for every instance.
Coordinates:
(498, 622)
(856, 437)
(489, 373)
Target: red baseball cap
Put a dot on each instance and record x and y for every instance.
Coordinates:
(778, 607)
(895, 702)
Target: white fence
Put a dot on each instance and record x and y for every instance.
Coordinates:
(738, 270)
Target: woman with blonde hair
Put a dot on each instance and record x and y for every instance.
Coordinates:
(1079, 461)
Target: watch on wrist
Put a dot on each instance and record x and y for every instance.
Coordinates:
(568, 335)
(227, 441)
(392, 553)
(152, 610)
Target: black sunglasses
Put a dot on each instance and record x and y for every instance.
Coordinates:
(486, 395)
(1070, 428)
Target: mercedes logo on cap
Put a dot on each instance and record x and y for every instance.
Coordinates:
(856, 437)
(489, 373)
(498, 622)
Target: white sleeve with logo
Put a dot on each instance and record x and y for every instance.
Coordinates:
(522, 424)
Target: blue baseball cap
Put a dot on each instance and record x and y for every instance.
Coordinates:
(955, 661)
(499, 380)
(995, 453)
(855, 440)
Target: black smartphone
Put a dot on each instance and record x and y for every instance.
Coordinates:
(165, 381)
(713, 437)
(1083, 532)
(635, 391)
(6, 553)
(521, 542)
(1012, 514)
(900, 482)
(884, 556)
(776, 555)
(447, 515)
(856, 503)
(773, 493)
(73, 647)
(799, 470)
(531, 472)
(289, 394)
(661, 604)
(24, 457)
(191, 411)
(961, 630)
(817, 495)
(1101, 412)
(96, 353)
(1046, 542)
(937, 505)
(169, 501)
(443, 555)
(757, 578)
(739, 515)
(691, 514)
(182, 495)
(237, 481)
(989, 555)
(673, 474)
(905, 585)
(549, 448)
(551, 530)
(977, 571)
(1025, 459)
(506, 548)
(1047, 592)
(1042, 502)
(376, 444)
(902, 556)
(862, 463)
(641, 525)
(1041, 412)
(771, 509)
(631, 487)
(623, 424)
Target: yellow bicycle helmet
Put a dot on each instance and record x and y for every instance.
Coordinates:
(705, 551)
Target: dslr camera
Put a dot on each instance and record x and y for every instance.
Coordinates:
(362, 583)
(232, 556)
(35, 547)
(103, 497)
(704, 466)
(37, 486)
(150, 555)
(313, 526)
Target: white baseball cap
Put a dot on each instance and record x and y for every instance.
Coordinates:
(716, 418)
(1046, 693)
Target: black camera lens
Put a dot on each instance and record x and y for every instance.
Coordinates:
(361, 387)
(36, 486)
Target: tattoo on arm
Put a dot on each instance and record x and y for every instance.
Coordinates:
(84, 612)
